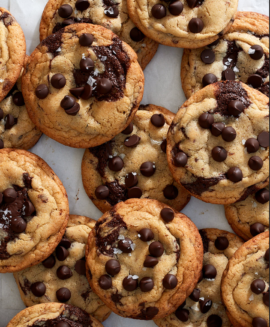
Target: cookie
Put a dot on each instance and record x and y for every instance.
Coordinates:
(16, 128)
(82, 85)
(33, 210)
(62, 276)
(218, 143)
(53, 314)
(13, 50)
(242, 54)
(245, 284)
(143, 259)
(107, 13)
(204, 306)
(250, 217)
(183, 24)
(134, 164)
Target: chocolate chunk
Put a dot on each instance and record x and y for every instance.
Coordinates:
(134, 193)
(228, 75)
(257, 286)
(132, 141)
(18, 225)
(104, 85)
(113, 267)
(146, 284)
(255, 163)
(64, 272)
(148, 169)
(146, 235)
(130, 284)
(38, 289)
(217, 128)
(131, 180)
(209, 79)
(259, 322)
(49, 262)
(219, 154)
(128, 130)
(258, 54)
(10, 121)
(195, 295)
(18, 99)
(102, 192)
(112, 12)
(206, 120)
(167, 214)
(58, 81)
(214, 321)
(221, 243)
(262, 196)
(125, 245)
(228, 134)
(136, 35)
(105, 282)
(68, 102)
(158, 11)
(255, 80)
(205, 305)
(63, 294)
(263, 139)
(116, 164)
(176, 7)
(252, 145)
(61, 253)
(156, 249)
(256, 229)
(150, 262)
(86, 39)
(87, 65)
(235, 108)
(170, 282)
(196, 25)
(192, 3)
(65, 11)
(82, 5)
(209, 272)
(42, 91)
(266, 298)
(235, 174)
(182, 314)
(266, 256)
(158, 120)
(208, 56)
(180, 159)
(170, 192)
(164, 146)
(80, 267)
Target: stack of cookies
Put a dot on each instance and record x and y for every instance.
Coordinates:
(143, 259)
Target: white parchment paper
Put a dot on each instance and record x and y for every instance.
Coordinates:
(163, 87)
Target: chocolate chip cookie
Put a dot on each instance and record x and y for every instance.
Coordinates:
(13, 50)
(241, 54)
(62, 276)
(107, 13)
(53, 314)
(134, 164)
(185, 23)
(144, 258)
(83, 85)
(250, 217)
(218, 143)
(33, 210)
(204, 306)
(245, 284)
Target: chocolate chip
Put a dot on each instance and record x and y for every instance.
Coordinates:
(87, 65)
(206, 120)
(1, 114)
(150, 262)
(125, 245)
(182, 314)
(221, 243)
(252, 145)
(62, 324)
(228, 134)
(38, 289)
(209, 79)
(86, 39)
(266, 298)
(205, 305)
(102, 192)
(77, 92)
(82, 5)
(192, 3)
(214, 321)
(255, 163)
(113, 267)
(87, 92)
(164, 146)
(167, 214)
(208, 56)
(159, 11)
(104, 85)
(146, 235)
(128, 130)
(262, 196)
(235, 174)
(158, 120)
(65, 11)
(170, 282)
(259, 322)
(18, 225)
(263, 139)
(116, 164)
(228, 75)
(134, 193)
(10, 121)
(151, 312)
(112, 12)
(180, 159)
(195, 295)
(68, 102)
(170, 192)
(65, 242)
(68, 22)
(219, 154)
(176, 7)
(156, 249)
(255, 81)
(42, 91)
(61, 253)
(63, 294)
(80, 267)
(148, 169)
(131, 180)
(132, 141)
(73, 110)
(256, 229)
(18, 99)
(136, 35)
(209, 271)
(10, 195)
(29, 208)
(130, 284)
(217, 128)
(64, 272)
(1, 144)
(105, 282)
(266, 256)
(257, 286)
(58, 81)
(49, 262)
(146, 284)
(235, 108)
(258, 54)
(196, 25)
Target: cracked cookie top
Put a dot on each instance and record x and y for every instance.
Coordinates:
(107, 13)
(245, 284)
(143, 259)
(218, 143)
(204, 307)
(33, 210)
(62, 276)
(242, 54)
(82, 85)
(134, 164)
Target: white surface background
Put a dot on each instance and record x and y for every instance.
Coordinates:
(163, 87)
